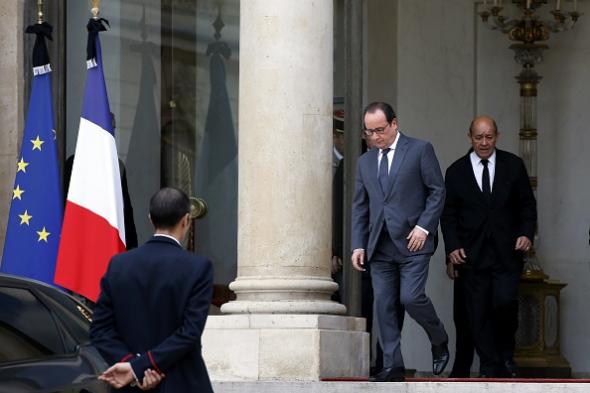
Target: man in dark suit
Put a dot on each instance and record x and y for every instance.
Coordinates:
(488, 223)
(153, 306)
(399, 196)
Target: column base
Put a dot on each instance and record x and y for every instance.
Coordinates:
(283, 295)
(267, 347)
(283, 307)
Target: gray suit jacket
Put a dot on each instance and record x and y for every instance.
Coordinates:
(416, 196)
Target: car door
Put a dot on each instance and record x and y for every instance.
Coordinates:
(33, 354)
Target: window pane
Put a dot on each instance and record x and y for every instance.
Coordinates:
(27, 329)
(73, 317)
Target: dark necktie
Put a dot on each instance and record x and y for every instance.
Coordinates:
(485, 179)
(384, 170)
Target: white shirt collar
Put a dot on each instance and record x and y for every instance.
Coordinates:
(393, 145)
(168, 236)
(475, 160)
(338, 155)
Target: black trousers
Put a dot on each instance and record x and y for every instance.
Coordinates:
(492, 306)
(464, 345)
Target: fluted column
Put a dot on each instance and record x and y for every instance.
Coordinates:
(285, 144)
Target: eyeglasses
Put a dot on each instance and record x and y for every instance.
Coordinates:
(378, 130)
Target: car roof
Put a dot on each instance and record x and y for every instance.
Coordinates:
(9, 279)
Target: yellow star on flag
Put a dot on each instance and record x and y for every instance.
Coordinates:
(17, 192)
(22, 166)
(25, 217)
(43, 234)
(37, 143)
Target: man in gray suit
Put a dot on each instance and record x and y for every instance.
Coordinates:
(399, 197)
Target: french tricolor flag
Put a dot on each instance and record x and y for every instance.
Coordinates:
(93, 228)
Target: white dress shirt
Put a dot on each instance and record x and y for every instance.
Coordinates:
(337, 154)
(390, 155)
(478, 168)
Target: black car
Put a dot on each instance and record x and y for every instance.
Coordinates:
(44, 343)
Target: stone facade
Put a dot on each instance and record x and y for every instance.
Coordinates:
(11, 101)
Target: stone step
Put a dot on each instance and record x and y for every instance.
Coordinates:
(403, 387)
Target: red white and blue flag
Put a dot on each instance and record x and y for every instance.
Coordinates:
(93, 228)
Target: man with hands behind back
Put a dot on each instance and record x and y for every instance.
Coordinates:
(153, 306)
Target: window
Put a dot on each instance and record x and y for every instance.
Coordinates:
(73, 317)
(27, 329)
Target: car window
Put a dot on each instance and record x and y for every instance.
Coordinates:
(73, 316)
(27, 329)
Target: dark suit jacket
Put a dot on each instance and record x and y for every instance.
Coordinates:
(151, 312)
(415, 196)
(471, 222)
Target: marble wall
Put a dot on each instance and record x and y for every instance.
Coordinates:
(450, 67)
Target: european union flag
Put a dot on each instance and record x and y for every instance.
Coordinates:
(36, 210)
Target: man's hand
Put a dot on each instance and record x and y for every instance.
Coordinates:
(451, 271)
(458, 256)
(523, 244)
(358, 259)
(417, 239)
(151, 379)
(118, 375)
(336, 264)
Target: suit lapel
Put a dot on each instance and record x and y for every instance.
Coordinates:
(500, 173)
(372, 166)
(398, 158)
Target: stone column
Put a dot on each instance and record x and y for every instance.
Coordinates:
(11, 101)
(281, 327)
(285, 155)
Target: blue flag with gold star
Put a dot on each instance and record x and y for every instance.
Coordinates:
(36, 210)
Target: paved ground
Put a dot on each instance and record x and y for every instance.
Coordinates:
(406, 387)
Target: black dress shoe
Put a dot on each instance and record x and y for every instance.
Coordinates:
(390, 374)
(440, 358)
(510, 369)
(375, 370)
